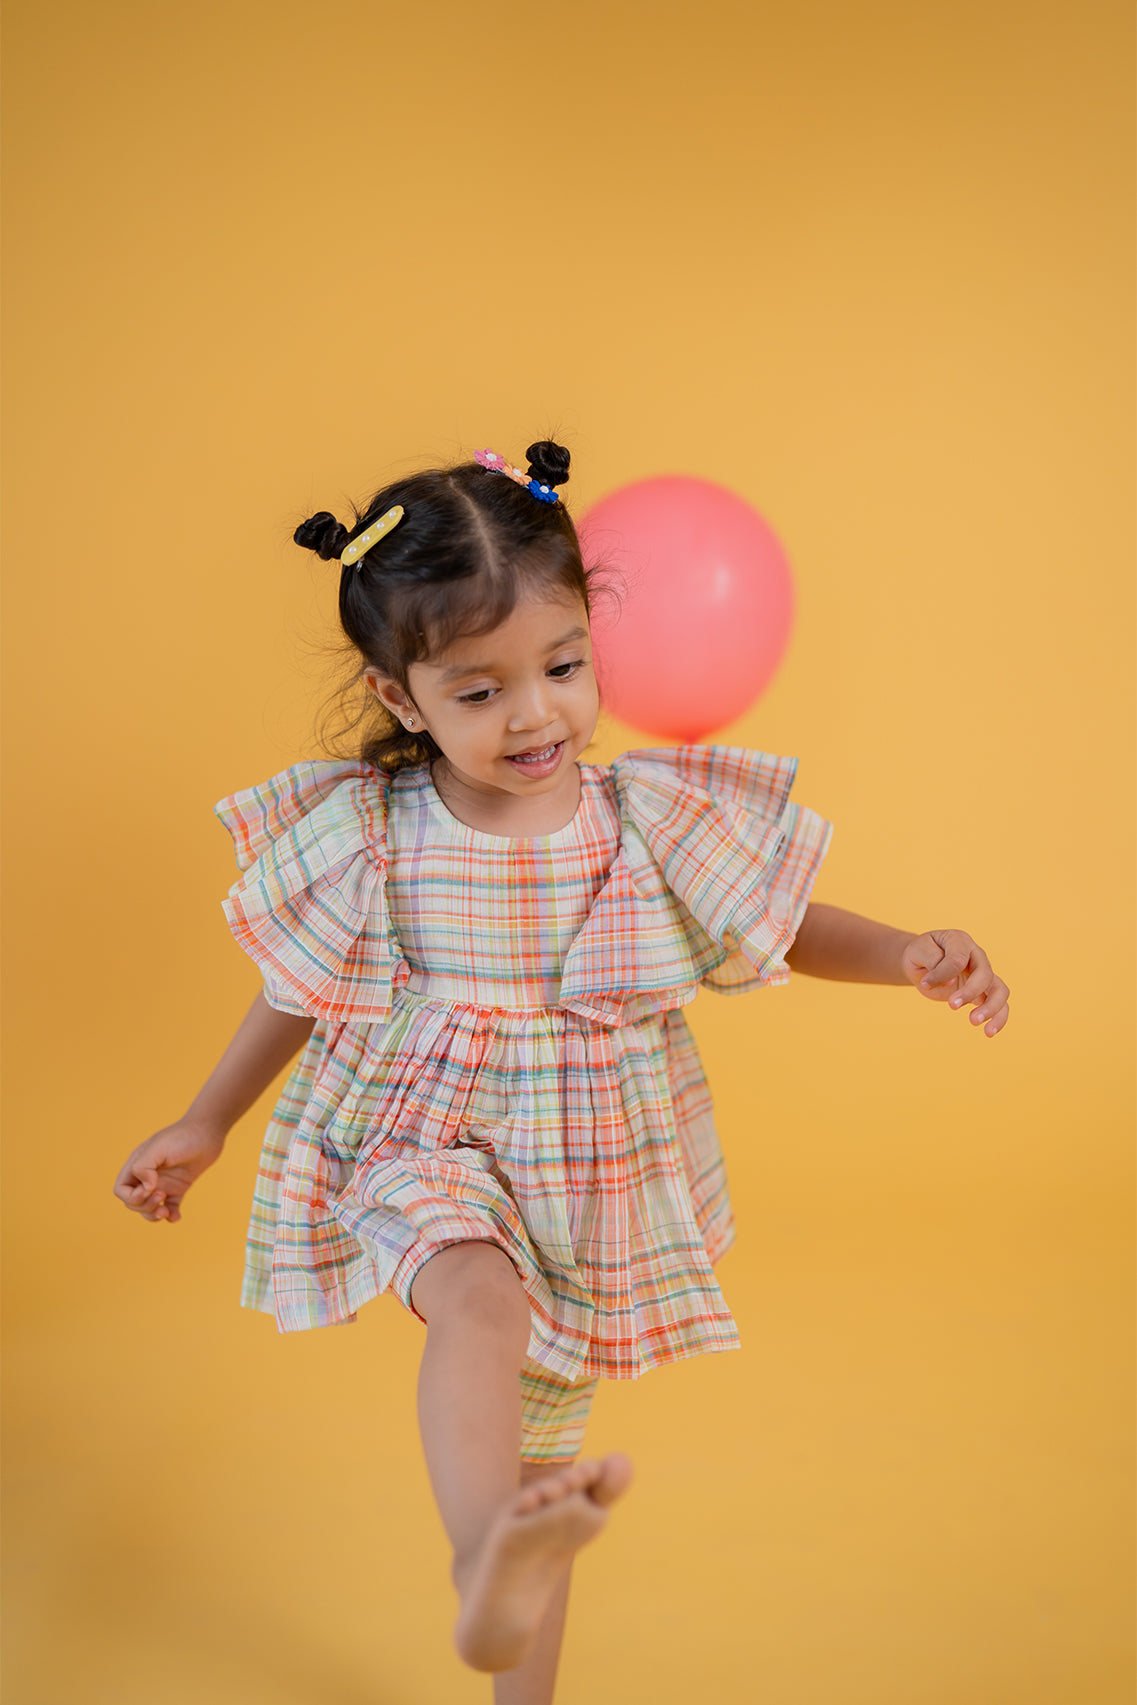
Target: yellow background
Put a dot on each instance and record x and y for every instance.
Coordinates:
(870, 266)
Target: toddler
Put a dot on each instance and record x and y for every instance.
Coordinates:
(481, 947)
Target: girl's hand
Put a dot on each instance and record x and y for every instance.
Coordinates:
(161, 1170)
(946, 964)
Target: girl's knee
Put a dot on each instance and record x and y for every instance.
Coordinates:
(472, 1284)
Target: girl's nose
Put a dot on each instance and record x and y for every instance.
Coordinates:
(532, 708)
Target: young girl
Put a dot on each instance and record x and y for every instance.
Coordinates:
(483, 947)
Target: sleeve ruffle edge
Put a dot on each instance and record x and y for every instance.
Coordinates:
(311, 846)
(710, 885)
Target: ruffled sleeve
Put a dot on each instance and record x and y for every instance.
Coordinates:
(710, 885)
(310, 906)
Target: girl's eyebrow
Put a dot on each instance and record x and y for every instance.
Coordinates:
(458, 669)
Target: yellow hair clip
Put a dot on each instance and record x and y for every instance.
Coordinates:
(351, 553)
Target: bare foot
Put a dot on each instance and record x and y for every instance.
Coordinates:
(505, 1588)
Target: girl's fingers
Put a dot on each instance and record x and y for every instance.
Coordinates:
(155, 1188)
(152, 1199)
(994, 1012)
(151, 1204)
(965, 983)
(961, 959)
(974, 988)
(946, 970)
(131, 1180)
(994, 1001)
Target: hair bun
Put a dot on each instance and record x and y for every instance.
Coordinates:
(323, 534)
(548, 463)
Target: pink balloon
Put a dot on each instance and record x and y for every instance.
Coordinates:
(707, 604)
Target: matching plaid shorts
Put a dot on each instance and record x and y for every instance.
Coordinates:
(554, 1414)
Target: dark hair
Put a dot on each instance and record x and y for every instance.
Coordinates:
(470, 543)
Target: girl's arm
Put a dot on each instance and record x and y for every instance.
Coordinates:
(160, 1170)
(848, 948)
(944, 964)
(264, 1043)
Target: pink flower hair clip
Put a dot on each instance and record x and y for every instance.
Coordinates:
(495, 464)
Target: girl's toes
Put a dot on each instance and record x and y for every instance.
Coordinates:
(603, 1481)
(530, 1497)
(613, 1480)
(556, 1484)
(560, 1482)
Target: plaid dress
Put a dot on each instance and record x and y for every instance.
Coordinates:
(499, 1050)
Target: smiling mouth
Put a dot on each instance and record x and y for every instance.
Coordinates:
(535, 754)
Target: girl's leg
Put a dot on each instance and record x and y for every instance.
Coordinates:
(469, 1397)
(554, 1416)
(511, 1545)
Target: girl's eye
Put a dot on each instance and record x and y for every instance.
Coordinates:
(559, 672)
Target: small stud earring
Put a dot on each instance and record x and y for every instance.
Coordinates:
(410, 721)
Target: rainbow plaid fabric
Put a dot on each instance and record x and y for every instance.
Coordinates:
(499, 1050)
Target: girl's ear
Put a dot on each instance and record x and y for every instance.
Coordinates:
(390, 694)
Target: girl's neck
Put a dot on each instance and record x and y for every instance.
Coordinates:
(509, 815)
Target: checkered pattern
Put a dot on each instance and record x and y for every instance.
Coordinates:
(499, 1050)
(554, 1415)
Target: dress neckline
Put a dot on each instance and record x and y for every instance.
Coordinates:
(482, 837)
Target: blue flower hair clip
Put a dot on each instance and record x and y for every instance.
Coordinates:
(495, 464)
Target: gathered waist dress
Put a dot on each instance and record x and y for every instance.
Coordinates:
(499, 1049)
